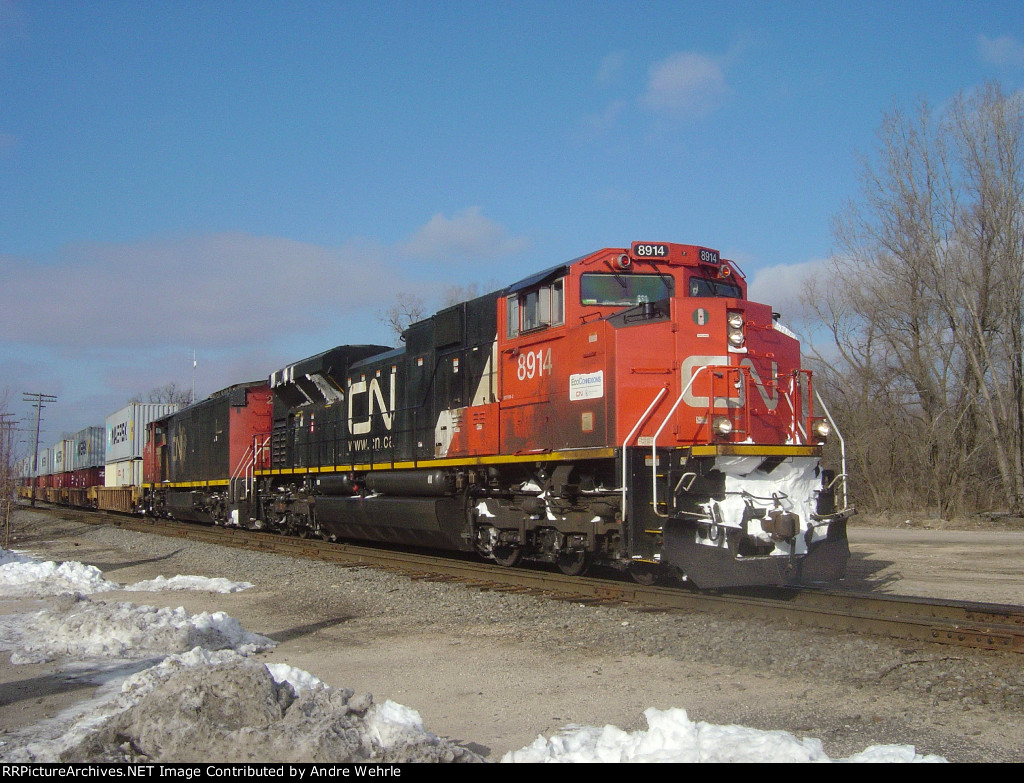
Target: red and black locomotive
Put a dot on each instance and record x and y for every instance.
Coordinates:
(629, 408)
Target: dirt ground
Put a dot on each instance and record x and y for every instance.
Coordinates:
(497, 696)
(984, 565)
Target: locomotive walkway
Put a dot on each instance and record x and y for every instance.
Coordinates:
(978, 625)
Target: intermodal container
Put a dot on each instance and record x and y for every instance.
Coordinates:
(89, 450)
(127, 472)
(126, 429)
(43, 463)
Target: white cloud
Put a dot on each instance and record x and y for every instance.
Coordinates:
(220, 290)
(780, 285)
(216, 290)
(1004, 51)
(685, 84)
(98, 323)
(467, 235)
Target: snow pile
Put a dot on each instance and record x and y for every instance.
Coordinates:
(201, 583)
(672, 737)
(224, 707)
(282, 672)
(80, 628)
(21, 577)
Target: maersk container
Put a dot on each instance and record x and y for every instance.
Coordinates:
(126, 473)
(126, 430)
(90, 449)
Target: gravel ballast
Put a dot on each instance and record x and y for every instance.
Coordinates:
(492, 670)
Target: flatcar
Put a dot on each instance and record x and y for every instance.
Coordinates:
(630, 408)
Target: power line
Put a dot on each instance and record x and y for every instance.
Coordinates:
(39, 403)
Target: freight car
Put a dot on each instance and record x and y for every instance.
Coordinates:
(68, 472)
(630, 408)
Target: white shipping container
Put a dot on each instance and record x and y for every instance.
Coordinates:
(126, 429)
(24, 468)
(43, 463)
(61, 455)
(90, 449)
(126, 473)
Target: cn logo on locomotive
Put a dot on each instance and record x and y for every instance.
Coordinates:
(374, 403)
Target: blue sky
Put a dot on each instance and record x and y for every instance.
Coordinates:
(255, 180)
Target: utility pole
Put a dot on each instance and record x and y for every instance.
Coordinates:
(7, 429)
(39, 403)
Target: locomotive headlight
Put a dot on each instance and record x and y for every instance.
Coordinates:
(821, 429)
(722, 426)
(734, 320)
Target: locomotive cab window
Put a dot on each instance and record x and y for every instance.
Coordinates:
(614, 290)
(536, 308)
(700, 286)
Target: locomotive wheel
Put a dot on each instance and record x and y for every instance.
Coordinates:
(507, 556)
(643, 574)
(573, 563)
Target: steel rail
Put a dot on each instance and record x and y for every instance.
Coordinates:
(979, 625)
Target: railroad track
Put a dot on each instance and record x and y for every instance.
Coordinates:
(985, 626)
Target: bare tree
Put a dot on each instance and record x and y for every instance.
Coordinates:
(406, 310)
(454, 294)
(923, 305)
(168, 393)
(409, 308)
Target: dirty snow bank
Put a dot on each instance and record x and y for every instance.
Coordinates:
(224, 707)
(78, 627)
(23, 576)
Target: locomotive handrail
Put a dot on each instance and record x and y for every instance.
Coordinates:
(240, 468)
(797, 429)
(689, 475)
(654, 440)
(240, 472)
(256, 452)
(636, 428)
(842, 445)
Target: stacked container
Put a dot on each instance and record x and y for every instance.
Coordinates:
(88, 456)
(60, 462)
(125, 439)
(43, 470)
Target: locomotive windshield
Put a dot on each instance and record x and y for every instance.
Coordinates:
(602, 289)
(700, 286)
